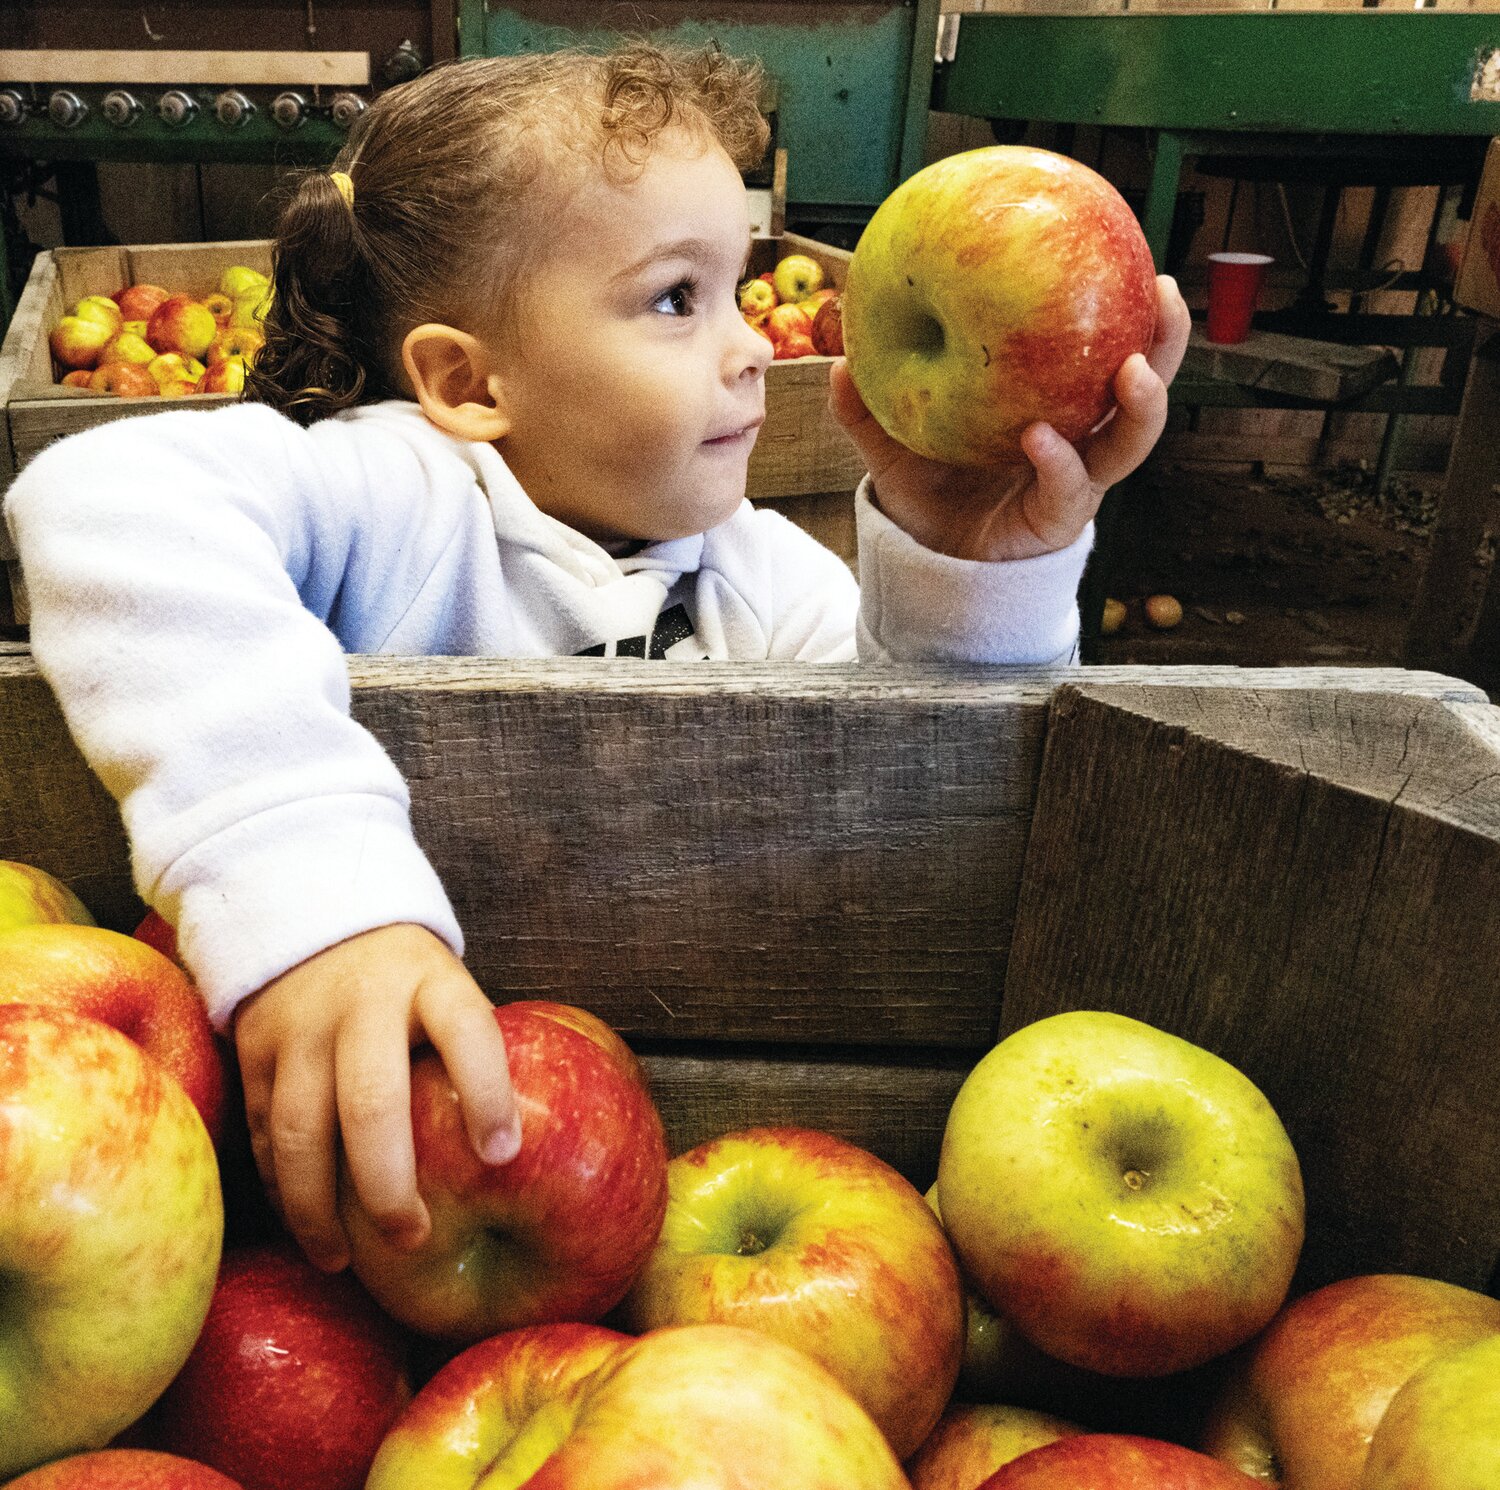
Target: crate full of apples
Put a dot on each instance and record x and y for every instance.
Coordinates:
(1113, 1230)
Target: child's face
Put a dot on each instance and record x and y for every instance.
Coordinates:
(636, 388)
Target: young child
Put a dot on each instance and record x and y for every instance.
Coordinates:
(504, 408)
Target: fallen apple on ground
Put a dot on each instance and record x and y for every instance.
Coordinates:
(992, 289)
(1128, 1200)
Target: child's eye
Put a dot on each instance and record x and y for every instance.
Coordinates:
(679, 299)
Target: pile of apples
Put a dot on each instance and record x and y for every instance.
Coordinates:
(1116, 1220)
(146, 342)
(794, 310)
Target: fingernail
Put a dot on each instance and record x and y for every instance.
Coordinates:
(408, 1235)
(502, 1145)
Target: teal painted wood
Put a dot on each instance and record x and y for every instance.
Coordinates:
(1359, 72)
(853, 79)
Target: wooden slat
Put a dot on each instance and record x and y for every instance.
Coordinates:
(1307, 883)
(1268, 360)
(268, 69)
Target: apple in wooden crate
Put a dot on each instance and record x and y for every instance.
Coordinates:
(138, 302)
(992, 289)
(973, 1440)
(124, 380)
(29, 896)
(124, 1469)
(1111, 1461)
(183, 325)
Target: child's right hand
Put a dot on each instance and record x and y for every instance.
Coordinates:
(325, 1051)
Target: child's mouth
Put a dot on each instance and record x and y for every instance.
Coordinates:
(735, 438)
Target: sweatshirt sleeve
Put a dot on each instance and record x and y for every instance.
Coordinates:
(916, 605)
(180, 566)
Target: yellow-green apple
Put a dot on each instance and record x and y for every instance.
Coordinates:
(250, 310)
(177, 387)
(182, 324)
(126, 346)
(813, 1240)
(1130, 1201)
(1442, 1429)
(109, 1232)
(758, 323)
(294, 1380)
(828, 328)
(973, 1440)
(123, 1469)
(77, 342)
(992, 289)
(139, 302)
(126, 984)
(1304, 1403)
(1115, 1461)
(559, 1232)
(494, 1410)
(757, 296)
(220, 306)
(812, 303)
(700, 1407)
(173, 367)
(100, 308)
(124, 380)
(796, 277)
(31, 897)
(240, 279)
(243, 342)
(225, 376)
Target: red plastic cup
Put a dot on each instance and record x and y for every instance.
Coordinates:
(1234, 282)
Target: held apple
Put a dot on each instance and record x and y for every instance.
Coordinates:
(971, 1442)
(123, 1469)
(1130, 1201)
(1302, 1407)
(31, 897)
(605, 1037)
(124, 380)
(109, 1234)
(560, 1231)
(1115, 1461)
(182, 324)
(820, 1244)
(1442, 1429)
(139, 302)
(992, 289)
(487, 1404)
(160, 935)
(796, 277)
(126, 984)
(293, 1382)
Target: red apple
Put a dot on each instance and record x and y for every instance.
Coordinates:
(182, 324)
(125, 984)
(828, 328)
(294, 1380)
(606, 1038)
(560, 1231)
(478, 1408)
(78, 378)
(1304, 1404)
(159, 934)
(992, 289)
(123, 1469)
(820, 1244)
(235, 341)
(971, 1442)
(30, 897)
(225, 376)
(788, 320)
(792, 345)
(139, 302)
(109, 1232)
(1114, 1461)
(124, 380)
(77, 342)
(704, 1407)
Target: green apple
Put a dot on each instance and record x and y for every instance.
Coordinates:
(1128, 1200)
(31, 897)
(110, 1233)
(796, 277)
(100, 308)
(240, 279)
(1442, 1429)
(756, 297)
(992, 289)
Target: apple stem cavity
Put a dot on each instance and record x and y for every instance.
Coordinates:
(1135, 1179)
(751, 1243)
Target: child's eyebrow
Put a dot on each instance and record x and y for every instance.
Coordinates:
(678, 248)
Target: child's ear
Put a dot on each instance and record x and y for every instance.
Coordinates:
(454, 380)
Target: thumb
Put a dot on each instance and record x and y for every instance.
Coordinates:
(876, 447)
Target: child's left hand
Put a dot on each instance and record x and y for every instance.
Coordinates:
(1015, 511)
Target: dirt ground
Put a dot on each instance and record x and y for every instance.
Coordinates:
(1310, 568)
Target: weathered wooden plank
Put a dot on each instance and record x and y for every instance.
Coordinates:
(1307, 883)
(1299, 365)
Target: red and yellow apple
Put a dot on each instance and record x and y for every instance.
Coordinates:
(183, 325)
(225, 376)
(31, 897)
(1115, 1461)
(828, 328)
(124, 380)
(972, 1441)
(1129, 1201)
(992, 289)
(123, 1469)
(559, 1232)
(139, 302)
(77, 341)
(125, 984)
(159, 934)
(243, 342)
(757, 296)
(493, 1408)
(100, 308)
(815, 1241)
(220, 306)
(791, 346)
(109, 1232)
(295, 1378)
(603, 1035)
(173, 367)
(1442, 1429)
(788, 320)
(78, 378)
(1303, 1405)
(796, 277)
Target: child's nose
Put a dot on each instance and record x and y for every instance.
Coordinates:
(750, 352)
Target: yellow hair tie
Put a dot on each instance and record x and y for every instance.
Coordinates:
(345, 185)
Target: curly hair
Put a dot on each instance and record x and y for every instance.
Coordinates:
(455, 174)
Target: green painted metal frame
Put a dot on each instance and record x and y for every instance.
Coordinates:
(854, 89)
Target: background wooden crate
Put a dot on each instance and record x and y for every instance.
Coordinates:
(816, 895)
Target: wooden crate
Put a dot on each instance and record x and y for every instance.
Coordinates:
(816, 895)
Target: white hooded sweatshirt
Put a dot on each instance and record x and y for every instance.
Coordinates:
(197, 577)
